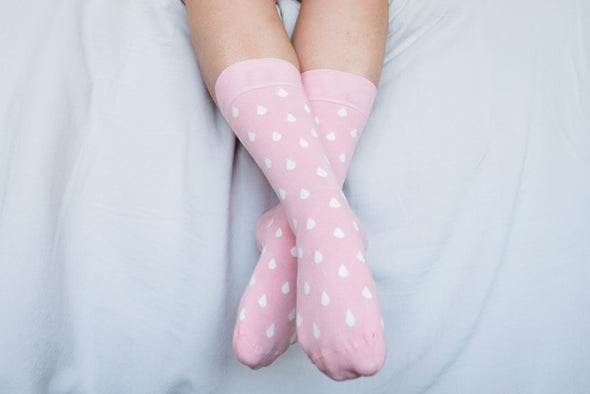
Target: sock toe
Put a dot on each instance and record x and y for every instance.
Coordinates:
(364, 358)
(251, 355)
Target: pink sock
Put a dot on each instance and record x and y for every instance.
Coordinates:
(329, 92)
(341, 331)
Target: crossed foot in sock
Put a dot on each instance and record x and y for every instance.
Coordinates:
(328, 296)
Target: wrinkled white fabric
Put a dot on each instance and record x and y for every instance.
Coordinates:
(127, 211)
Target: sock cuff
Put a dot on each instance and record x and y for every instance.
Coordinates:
(340, 87)
(250, 74)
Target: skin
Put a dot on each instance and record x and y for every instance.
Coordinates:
(343, 35)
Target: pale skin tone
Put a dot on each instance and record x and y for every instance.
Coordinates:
(343, 35)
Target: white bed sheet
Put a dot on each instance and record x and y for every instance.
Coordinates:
(127, 210)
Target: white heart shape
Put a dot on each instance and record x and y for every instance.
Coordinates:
(270, 222)
(353, 133)
(282, 93)
(292, 315)
(251, 136)
(279, 233)
(321, 172)
(306, 108)
(271, 331)
(338, 233)
(290, 164)
(252, 280)
(303, 143)
(235, 112)
(294, 251)
(263, 250)
(304, 194)
(314, 133)
(316, 331)
(262, 301)
(367, 293)
(291, 118)
(285, 288)
(318, 257)
(342, 157)
(342, 112)
(300, 253)
(260, 110)
(360, 256)
(243, 314)
(342, 271)
(331, 136)
(325, 299)
(306, 288)
(299, 319)
(293, 339)
(272, 264)
(356, 226)
(276, 136)
(267, 162)
(283, 194)
(310, 223)
(334, 203)
(295, 224)
(317, 120)
(350, 320)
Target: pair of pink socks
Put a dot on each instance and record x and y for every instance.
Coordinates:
(312, 283)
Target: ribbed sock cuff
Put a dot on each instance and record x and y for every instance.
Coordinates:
(340, 87)
(251, 74)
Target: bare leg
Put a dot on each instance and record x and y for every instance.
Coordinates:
(225, 32)
(344, 35)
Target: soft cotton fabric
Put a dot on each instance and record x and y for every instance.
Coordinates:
(340, 102)
(124, 201)
(338, 315)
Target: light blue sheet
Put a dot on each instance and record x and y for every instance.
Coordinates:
(127, 211)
